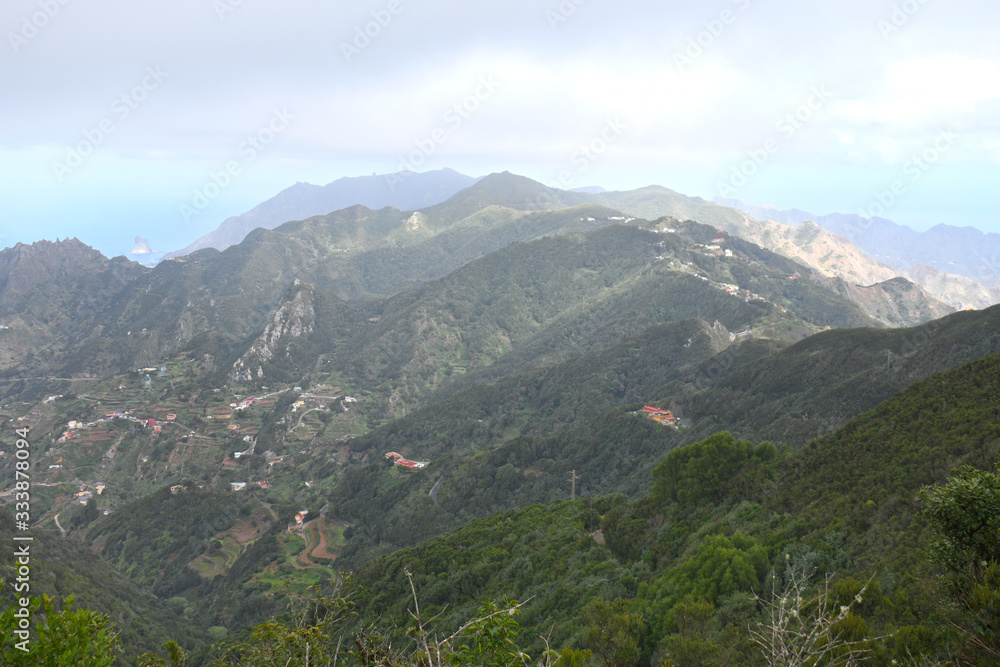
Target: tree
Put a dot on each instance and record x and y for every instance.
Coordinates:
(489, 640)
(804, 627)
(692, 644)
(613, 631)
(178, 658)
(965, 512)
(63, 638)
(307, 639)
(712, 469)
(314, 638)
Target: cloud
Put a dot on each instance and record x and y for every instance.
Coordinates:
(558, 83)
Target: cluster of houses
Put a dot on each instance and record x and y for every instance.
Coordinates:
(664, 417)
(398, 460)
(242, 405)
(85, 493)
(746, 333)
(151, 422)
(300, 517)
(239, 486)
(714, 250)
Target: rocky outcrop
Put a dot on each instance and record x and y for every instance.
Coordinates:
(142, 247)
(959, 291)
(896, 302)
(51, 295)
(293, 321)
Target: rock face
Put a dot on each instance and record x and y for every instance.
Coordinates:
(51, 295)
(60, 279)
(141, 247)
(959, 291)
(293, 321)
(948, 250)
(896, 302)
(26, 267)
(828, 253)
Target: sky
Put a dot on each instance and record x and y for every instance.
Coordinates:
(134, 117)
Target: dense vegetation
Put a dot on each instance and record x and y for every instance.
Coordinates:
(722, 519)
(61, 568)
(726, 520)
(512, 347)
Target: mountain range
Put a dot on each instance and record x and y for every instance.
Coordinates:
(357, 255)
(860, 251)
(404, 190)
(964, 251)
(462, 390)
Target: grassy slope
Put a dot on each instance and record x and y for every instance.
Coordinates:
(846, 505)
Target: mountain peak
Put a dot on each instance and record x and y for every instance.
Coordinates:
(405, 190)
(517, 192)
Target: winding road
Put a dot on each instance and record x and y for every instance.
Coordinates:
(434, 490)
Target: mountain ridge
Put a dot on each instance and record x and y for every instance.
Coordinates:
(405, 191)
(959, 250)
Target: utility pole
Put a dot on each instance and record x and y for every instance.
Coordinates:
(572, 478)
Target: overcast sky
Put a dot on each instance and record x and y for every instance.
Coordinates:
(127, 117)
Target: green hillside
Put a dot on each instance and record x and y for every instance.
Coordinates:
(846, 505)
(213, 432)
(534, 428)
(134, 317)
(61, 567)
(819, 383)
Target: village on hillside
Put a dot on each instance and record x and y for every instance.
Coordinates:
(712, 249)
(116, 430)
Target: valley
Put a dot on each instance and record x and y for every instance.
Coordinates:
(570, 403)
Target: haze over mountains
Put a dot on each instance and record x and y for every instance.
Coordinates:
(404, 190)
(834, 255)
(243, 416)
(965, 251)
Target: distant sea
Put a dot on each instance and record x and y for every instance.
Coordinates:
(147, 259)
